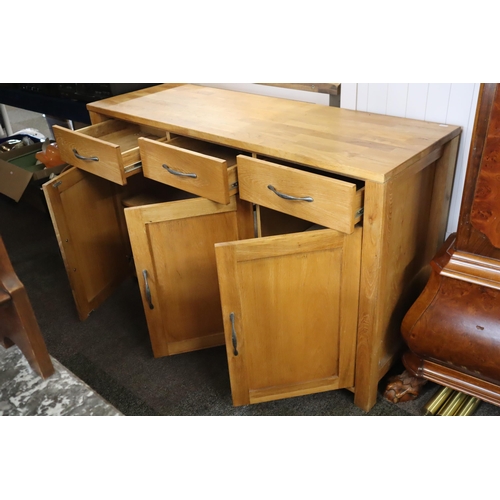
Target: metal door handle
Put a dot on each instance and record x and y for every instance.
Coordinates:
(148, 291)
(84, 158)
(176, 172)
(233, 335)
(287, 196)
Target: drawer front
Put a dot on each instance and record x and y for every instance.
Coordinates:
(200, 168)
(329, 202)
(107, 149)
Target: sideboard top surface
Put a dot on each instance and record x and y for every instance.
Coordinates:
(363, 145)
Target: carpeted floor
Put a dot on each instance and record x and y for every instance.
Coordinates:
(111, 351)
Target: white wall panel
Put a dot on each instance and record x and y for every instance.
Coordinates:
(461, 111)
(397, 97)
(362, 103)
(438, 97)
(348, 95)
(416, 101)
(377, 98)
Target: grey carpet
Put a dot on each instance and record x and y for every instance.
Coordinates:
(111, 352)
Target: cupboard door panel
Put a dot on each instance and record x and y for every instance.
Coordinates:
(88, 222)
(290, 313)
(174, 244)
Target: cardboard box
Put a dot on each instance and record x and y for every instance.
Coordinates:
(18, 170)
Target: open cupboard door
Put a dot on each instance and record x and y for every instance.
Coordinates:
(89, 224)
(289, 305)
(174, 254)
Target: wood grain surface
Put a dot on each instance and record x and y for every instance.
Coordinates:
(362, 145)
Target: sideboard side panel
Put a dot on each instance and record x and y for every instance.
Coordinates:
(404, 225)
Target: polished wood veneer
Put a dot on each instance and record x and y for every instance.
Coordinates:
(453, 329)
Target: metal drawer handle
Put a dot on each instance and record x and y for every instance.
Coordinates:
(148, 291)
(233, 335)
(85, 158)
(176, 172)
(287, 196)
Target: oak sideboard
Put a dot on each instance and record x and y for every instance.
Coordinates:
(296, 234)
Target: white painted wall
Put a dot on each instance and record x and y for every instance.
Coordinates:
(449, 103)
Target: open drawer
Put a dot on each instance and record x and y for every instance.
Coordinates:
(201, 168)
(330, 202)
(108, 149)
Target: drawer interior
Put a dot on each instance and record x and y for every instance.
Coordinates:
(141, 191)
(119, 133)
(206, 148)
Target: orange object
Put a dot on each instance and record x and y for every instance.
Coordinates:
(50, 156)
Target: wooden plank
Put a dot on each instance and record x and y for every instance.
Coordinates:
(366, 146)
(369, 325)
(349, 306)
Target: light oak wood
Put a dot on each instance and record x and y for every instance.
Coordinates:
(198, 167)
(174, 243)
(360, 145)
(335, 203)
(97, 117)
(312, 275)
(113, 143)
(86, 215)
(398, 243)
(401, 172)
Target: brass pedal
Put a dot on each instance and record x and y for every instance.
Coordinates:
(449, 403)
